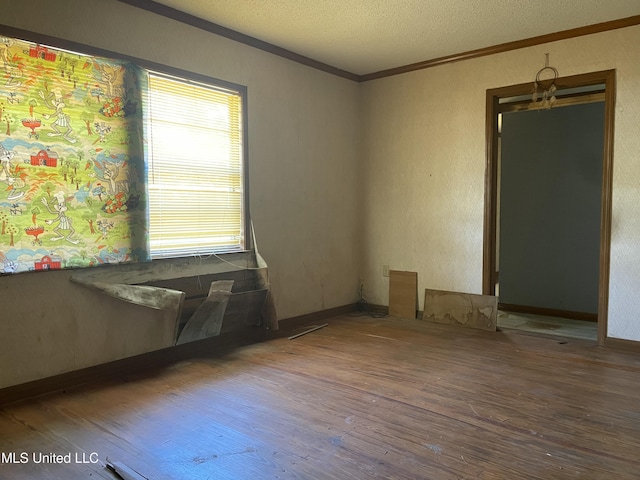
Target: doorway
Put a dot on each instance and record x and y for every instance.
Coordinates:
(579, 89)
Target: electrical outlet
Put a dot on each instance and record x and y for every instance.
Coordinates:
(385, 270)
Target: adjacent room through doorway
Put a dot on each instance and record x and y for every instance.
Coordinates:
(550, 185)
(548, 207)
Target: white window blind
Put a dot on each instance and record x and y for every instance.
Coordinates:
(195, 169)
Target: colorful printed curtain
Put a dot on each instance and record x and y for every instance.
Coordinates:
(72, 170)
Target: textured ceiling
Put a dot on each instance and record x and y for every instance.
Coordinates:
(366, 36)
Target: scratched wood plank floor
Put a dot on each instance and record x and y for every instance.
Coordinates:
(361, 398)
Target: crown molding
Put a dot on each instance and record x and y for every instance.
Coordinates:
(506, 47)
(177, 15)
(216, 29)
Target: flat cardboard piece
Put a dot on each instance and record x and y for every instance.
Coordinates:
(403, 294)
(464, 309)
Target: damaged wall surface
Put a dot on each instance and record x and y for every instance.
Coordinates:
(344, 178)
(62, 322)
(302, 134)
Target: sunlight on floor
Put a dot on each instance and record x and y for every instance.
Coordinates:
(562, 327)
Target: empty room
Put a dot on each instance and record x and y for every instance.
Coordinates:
(312, 240)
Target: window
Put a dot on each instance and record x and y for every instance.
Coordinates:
(195, 168)
(103, 161)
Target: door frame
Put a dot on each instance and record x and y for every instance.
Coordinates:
(606, 77)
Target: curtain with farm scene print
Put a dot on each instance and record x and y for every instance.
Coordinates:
(72, 175)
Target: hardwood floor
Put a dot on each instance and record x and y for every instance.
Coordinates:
(360, 398)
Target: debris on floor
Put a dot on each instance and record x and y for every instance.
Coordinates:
(124, 472)
(313, 329)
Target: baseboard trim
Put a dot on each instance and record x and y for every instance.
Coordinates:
(294, 322)
(125, 367)
(209, 347)
(378, 309)
(384, 310)
(150, 361)
(622, 344)
(549, 312)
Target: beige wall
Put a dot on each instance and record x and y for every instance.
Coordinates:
(303, 173)
(344, 178)
(423, 147)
